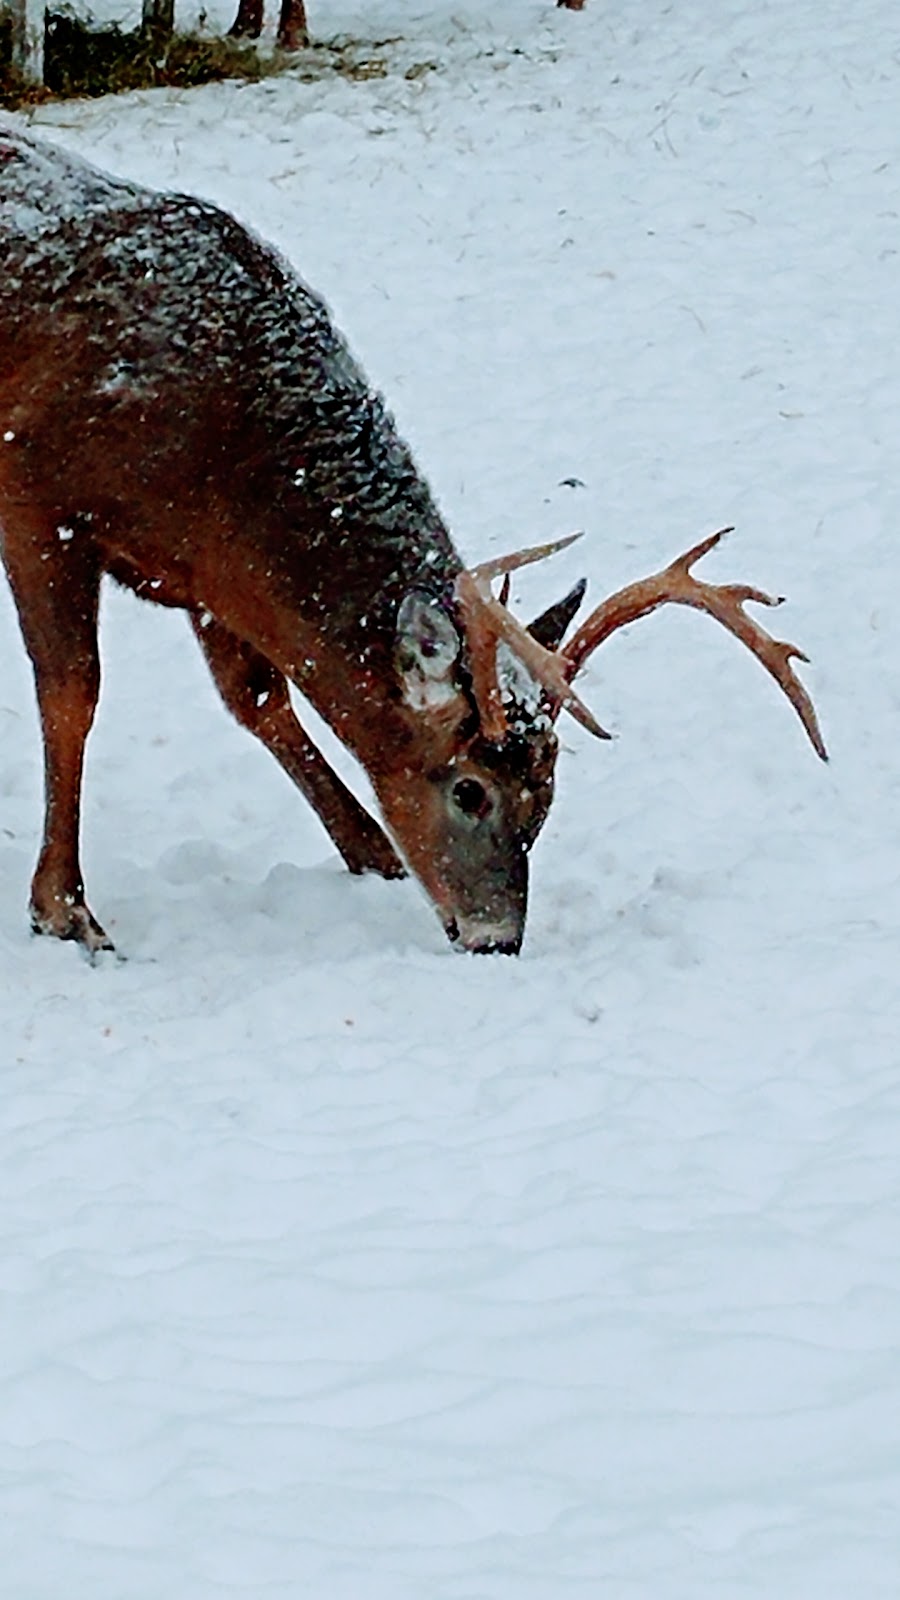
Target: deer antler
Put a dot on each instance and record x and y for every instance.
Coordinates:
(487, 621)
(725, 602)
(501, 566)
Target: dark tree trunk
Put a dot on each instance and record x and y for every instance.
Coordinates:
(158, 20)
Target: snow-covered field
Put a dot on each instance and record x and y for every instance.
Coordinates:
(334, 1264)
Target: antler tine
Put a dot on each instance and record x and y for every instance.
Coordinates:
(724, 602)
(488, 570)
(486, 622)
(634, 601)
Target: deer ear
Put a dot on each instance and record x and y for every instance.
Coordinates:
(426, 650)
(549, 628)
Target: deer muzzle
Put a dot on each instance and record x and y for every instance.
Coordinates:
(486, 937)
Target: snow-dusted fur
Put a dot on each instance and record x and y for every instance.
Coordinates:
(184, 298)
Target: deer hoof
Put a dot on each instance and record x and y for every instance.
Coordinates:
(374, 853)
(73, 921)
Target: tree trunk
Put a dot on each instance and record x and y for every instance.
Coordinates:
(158, 20)
(27, 31)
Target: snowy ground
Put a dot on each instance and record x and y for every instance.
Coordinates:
(334, 1264)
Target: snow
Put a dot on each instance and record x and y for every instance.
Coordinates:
(334, 1263)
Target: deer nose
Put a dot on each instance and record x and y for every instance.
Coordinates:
(482, 936)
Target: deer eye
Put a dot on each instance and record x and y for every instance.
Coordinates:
(472, 798)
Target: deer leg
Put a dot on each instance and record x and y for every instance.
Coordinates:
(293, 33)
(56, 589)
(256, 694)
(249, 20)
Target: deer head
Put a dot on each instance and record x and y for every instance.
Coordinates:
(490, 691)
(467, 830)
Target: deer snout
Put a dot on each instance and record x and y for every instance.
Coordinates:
(476, 936)
(458, 834)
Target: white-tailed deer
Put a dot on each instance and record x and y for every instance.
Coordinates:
(293, 32)
(178, 411)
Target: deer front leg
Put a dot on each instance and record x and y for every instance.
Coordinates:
(293, 33)
(249, 20)
(257, 695)
(56, 591)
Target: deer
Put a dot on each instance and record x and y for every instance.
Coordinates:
(179, 413)
(293, 31)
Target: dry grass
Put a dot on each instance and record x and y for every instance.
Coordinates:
(81, 61)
